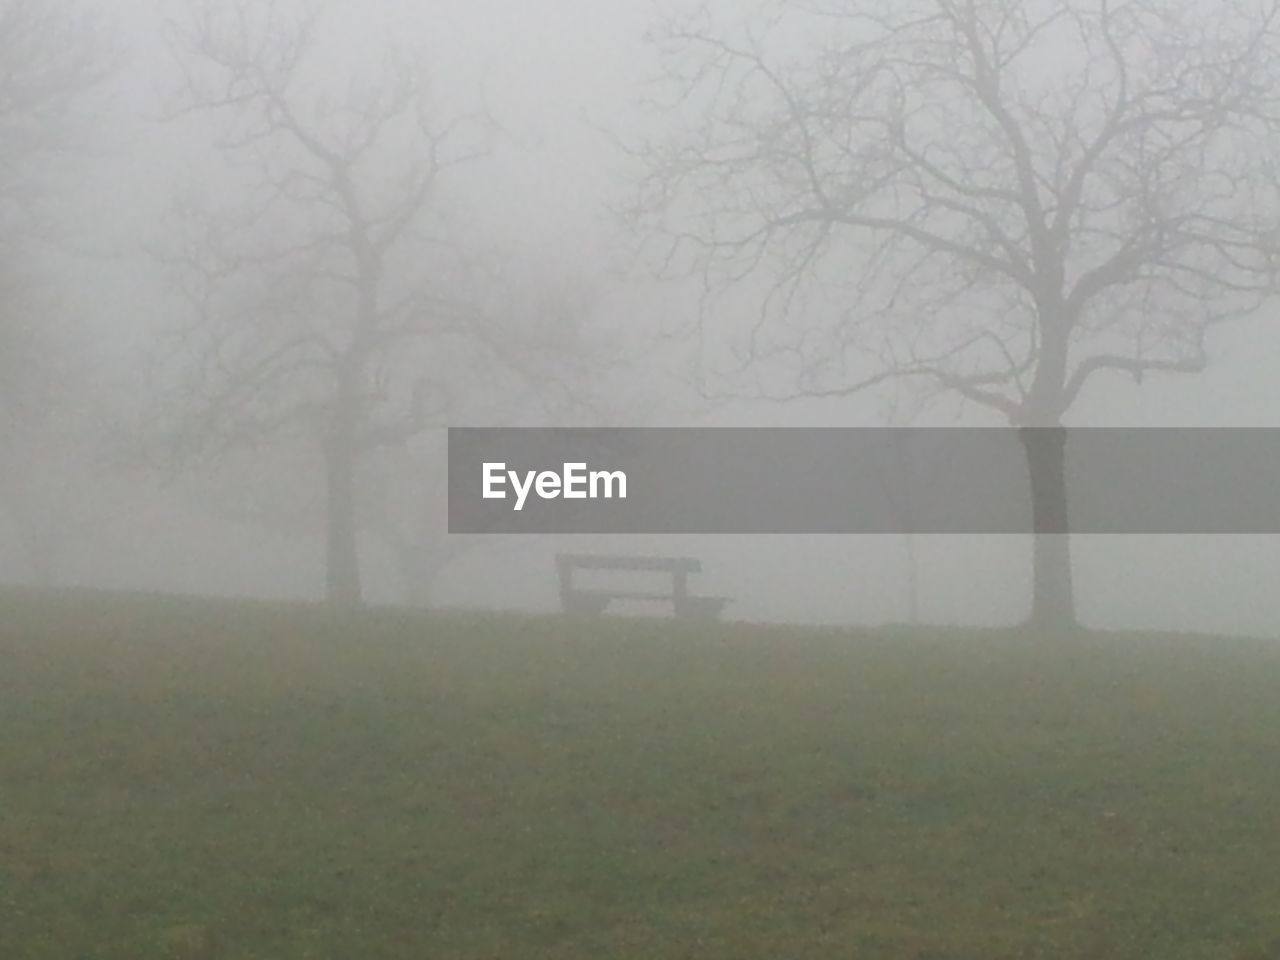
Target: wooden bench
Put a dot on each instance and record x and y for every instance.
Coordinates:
(594, 601)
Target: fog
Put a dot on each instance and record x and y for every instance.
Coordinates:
(148, 248)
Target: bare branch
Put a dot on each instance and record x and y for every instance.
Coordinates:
(1050, 172)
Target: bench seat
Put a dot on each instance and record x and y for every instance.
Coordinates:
(594, 601)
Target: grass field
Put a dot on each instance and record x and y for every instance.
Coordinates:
(198, 780)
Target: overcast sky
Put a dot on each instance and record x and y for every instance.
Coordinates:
(553, 71)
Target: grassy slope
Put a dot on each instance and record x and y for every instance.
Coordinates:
(191, 780)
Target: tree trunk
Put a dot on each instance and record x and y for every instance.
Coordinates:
(1053, 595)
(913, 579)
(342, 559)
(901, 502)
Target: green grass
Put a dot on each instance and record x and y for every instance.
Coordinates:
(197, 780)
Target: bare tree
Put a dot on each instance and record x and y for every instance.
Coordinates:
(996, 200)
(328, 291)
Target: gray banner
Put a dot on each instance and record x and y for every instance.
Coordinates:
(863, 480)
